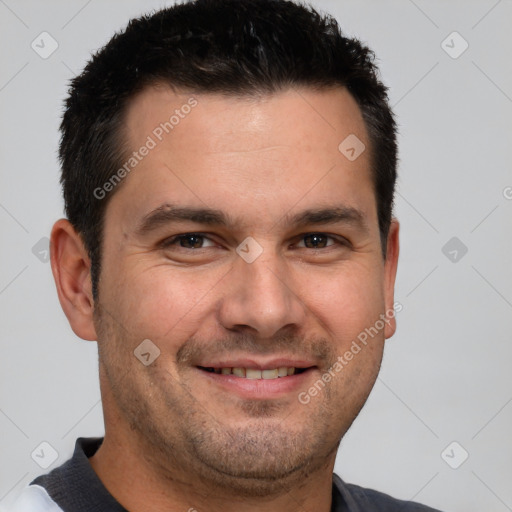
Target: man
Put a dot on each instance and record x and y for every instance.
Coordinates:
(228, 170)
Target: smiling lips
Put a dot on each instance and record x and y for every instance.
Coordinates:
(255, 373)
(253, 379)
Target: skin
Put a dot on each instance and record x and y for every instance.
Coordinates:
(176, 439)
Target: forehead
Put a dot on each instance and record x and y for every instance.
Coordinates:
(259, 155)
(307, 117)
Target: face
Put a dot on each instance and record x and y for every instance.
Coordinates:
(245, 246)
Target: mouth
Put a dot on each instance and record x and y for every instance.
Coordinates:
(255, 373)
(251, 380)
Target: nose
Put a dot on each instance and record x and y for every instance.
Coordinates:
(261, 297)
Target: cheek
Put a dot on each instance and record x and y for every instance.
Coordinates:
(347, 301)
(160, 302)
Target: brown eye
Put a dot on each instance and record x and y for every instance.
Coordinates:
(189, 241)
(316, 241)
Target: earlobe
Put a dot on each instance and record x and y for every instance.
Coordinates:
(72, 273)
(390, 268)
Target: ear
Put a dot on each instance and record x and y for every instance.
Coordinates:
(390, 266)
(71, 269)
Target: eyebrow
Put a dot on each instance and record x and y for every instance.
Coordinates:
(332, 215)
(167, 213)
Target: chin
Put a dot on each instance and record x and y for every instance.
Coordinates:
(260, 460)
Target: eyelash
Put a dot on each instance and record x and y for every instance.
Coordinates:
(169, 242)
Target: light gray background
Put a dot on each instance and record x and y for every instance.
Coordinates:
(446, 374)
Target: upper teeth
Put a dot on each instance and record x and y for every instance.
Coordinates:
(250, 373)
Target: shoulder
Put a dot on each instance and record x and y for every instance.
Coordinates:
(34, 498)
(366, 500)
